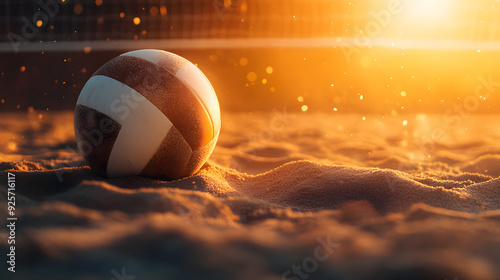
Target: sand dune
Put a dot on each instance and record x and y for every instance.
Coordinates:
(397, 202)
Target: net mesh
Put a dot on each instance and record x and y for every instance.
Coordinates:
(161, 19)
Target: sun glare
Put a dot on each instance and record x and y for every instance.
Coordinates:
(429, 10)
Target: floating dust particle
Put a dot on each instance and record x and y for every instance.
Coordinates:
(98, 2)
(137, 20)
(269, 70)
(403, 93)
(22, 69)
(39, 23)
(122, 14)
(264, 81)
(87, 50)
(300, 99)
(305, 108)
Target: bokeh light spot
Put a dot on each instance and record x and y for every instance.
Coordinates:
(12, 146)
(252, 77)
(153, 11)
(163, 10)
(243, 61)
(78, 9)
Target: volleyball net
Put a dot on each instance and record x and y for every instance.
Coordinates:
(181, 21)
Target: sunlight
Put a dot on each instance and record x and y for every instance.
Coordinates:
(429, 11)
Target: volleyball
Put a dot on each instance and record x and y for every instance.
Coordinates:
(149, 113)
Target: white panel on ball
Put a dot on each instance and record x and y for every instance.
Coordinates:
(139, 137)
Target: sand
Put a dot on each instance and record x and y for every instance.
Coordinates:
(380, 199)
